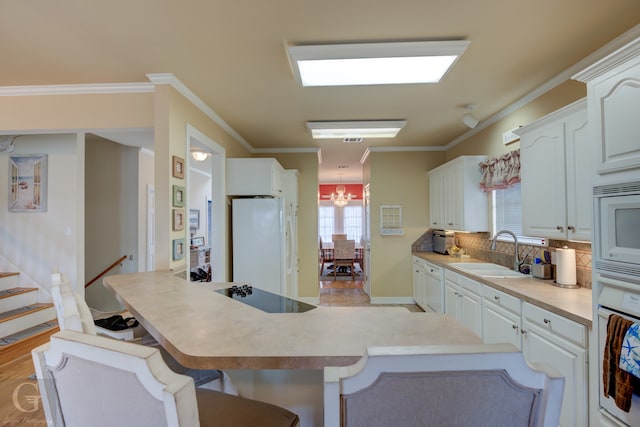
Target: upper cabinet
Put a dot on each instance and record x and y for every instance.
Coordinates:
(456, 201)
(254, 177)
(613, 93)
(556, 175)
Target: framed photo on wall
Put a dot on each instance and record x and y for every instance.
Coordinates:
(178, 196)
(194, 219)
(28, 183)
(178, 249)
(178, 219)
(178, 167)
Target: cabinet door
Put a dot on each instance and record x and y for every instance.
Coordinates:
(416, 281)
(540, 346)
(471, 308)
(543, 182)
(580, 172)
(500, 326)
(436, 200)
(452, 300)
(613, 113)
(454, 197)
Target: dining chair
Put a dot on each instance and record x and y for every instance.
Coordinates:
(340, 236)
(91, 380)
(344, 254)
(463, 385)
(74, 314)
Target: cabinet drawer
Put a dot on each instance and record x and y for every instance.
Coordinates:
(561, 326)
(452, 277)
(471, 285)
(433, 270)
(497, 297)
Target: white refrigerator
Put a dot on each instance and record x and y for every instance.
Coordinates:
(262, 233)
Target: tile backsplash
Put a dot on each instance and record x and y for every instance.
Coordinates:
(477, 246)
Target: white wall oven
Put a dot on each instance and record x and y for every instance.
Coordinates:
(616, 281)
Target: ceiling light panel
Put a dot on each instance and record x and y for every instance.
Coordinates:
(357, 129)
(374, 63)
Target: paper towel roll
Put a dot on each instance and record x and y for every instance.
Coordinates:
(565, 266)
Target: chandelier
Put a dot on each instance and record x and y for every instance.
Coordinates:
(340, 199)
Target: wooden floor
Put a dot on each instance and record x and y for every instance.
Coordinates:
(19, 395)
(351, 294)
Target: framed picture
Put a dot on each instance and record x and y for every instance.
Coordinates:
(28, 183)
(178, 167)
(194, 219)
(178, 196)
(178, 249)
(178, 219)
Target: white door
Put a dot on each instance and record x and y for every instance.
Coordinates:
(366, 241)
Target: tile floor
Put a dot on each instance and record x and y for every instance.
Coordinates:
(350, 294)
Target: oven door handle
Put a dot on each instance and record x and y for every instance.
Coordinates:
(633, 287)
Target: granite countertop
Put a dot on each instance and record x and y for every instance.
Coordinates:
(205, 329)
(574, 304)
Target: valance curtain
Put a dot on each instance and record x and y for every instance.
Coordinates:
(500, 172)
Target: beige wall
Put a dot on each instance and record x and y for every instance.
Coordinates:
(397, 178)
(489, 140)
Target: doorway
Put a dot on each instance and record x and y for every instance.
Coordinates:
(206, 198)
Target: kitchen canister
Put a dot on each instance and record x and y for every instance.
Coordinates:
(566, 267)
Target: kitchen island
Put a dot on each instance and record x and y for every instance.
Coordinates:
(272, 357)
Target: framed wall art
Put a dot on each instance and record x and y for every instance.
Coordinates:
(178, 219)
(28, 183)
(178, 167)
(178, 249)
(194, 219)
(178, 196)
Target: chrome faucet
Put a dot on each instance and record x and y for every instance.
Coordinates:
(516, 259)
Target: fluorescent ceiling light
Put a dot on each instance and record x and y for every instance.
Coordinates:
(357, 129)
(374, 63)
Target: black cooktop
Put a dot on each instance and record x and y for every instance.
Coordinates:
(265, 301)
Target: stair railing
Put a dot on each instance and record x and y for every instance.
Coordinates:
(106, 270)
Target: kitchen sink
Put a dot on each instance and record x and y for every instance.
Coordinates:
(487, 269)
(478, 266)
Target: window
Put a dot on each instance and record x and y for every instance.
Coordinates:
(332, 219)
(508, 216)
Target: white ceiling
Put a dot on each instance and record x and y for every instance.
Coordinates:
(232, 55)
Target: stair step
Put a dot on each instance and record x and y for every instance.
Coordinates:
(8, 280)
(13, 298)
(25, 317)
(21, 343)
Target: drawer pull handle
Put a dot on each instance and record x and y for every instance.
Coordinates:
(515, 327)
(497, 298)
(547, 321)
(522, 331)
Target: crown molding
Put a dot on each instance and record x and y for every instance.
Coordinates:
(170, 79)
(76, 89)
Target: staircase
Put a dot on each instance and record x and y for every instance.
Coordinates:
(24, 323)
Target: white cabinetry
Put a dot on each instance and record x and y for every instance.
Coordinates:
(427, 285)
(254, 177)
(455, 199)
(613, 92)
(501, 318)
(560, 343)
(463, 301)
(556, 173)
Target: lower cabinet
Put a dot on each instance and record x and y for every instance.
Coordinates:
(463, 301)
(501, 318)
(562, 344)
(428, 285)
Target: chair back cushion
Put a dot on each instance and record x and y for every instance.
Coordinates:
(99, 381)
(340, 236)
(344, 249)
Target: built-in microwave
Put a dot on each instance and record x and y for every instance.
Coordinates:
(617, 224)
